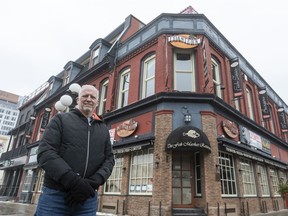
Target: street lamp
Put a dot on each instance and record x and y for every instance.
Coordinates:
(66, 100)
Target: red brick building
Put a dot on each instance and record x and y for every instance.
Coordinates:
(194, 127)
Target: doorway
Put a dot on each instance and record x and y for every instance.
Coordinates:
(182, 180)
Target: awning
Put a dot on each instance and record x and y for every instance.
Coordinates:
(187, 138)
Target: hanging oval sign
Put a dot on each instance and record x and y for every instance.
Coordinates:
(184, 41)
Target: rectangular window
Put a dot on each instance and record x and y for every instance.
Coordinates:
(227, 175)
(264, 184)
(148, 85)
(184, 71)
(123, 89)
(216, 78)
(95, 56)
(283, 176)
(141, 172)
(198, 188)
(274, 181)
(27, 180)
(248, 178)
(113, 184)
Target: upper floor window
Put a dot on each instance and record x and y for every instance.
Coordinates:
(250, 103)
(184, 71)
(66, 77)
(95, 56)
(103, 96)
(216, 77)
(123, 88)
(237, 103)
(148, 80)
(269, 122)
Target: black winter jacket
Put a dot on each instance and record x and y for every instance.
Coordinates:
(70, 142)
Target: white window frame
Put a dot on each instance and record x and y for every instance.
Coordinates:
(250, 103)
(27, 180)
(263, 180)
(141, 172)
(189, 71)
(226, 168)
(123, 92)
(149, 68)
(216, 73)
(274, 181)
(114, 184)
(248, 178)
(103, 97)
(95, 56)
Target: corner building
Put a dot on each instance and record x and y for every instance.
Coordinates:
(194, 127)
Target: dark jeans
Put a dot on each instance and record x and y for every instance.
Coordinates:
(51, 203)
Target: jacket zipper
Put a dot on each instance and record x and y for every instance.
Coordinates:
(87, 152)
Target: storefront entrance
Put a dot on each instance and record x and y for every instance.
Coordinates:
(182, 180)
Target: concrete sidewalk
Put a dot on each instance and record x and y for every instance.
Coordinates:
(283, 212)
(11, 208)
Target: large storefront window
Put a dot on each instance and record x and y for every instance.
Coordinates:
(38, 183)
(248, 177)
(141, 175)
(27, 180)
(275, 180)
(263, 180)
(227, 174)
(198, 189)
(113, 184)
(283, 176)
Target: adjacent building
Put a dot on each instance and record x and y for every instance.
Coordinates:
(194, 127)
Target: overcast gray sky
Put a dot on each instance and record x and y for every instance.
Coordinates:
(38, 37)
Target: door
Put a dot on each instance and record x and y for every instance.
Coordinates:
(182, 180)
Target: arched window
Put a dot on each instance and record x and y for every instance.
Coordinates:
(250, 103)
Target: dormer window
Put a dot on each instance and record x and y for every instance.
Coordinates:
(95, 56)
(66, 76)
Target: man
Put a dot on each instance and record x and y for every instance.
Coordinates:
(76, 154)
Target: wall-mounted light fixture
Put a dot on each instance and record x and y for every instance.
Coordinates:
(222, 87)
(262, 91)
(217, 174)
(280, 109)
(48, 109)
(67, 100)
(157, 164)
(187, 115)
